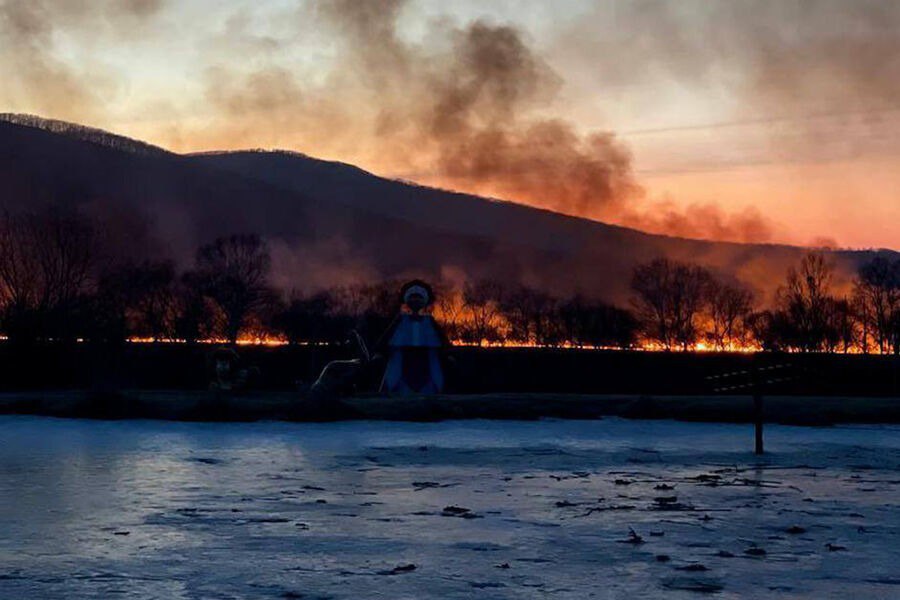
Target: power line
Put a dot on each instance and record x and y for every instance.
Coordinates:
(714, 166)
(760, 121)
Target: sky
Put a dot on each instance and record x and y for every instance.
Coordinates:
(750, 121)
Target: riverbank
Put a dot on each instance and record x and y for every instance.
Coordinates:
(179, 405)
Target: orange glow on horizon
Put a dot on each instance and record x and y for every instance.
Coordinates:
(644, 346)
(242, 341)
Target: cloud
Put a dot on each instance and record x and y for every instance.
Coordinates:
(35, 71)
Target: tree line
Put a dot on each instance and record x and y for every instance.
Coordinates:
(56, 283)
(681, 305)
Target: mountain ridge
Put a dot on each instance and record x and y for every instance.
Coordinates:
(331, 222)
(83, 132)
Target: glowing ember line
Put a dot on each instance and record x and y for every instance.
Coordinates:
(245, 341)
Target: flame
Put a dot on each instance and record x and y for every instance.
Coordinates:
(642, 346)
(242, 341)
(276, 341)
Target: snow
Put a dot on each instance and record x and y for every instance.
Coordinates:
(141, 509)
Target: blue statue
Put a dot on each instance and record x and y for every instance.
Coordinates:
(413, 344)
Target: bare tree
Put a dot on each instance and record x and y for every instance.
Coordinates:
(449, 309)
(138, 299)
(482, 301)
(895, 333)
(805, 301)
(234, 272)
(729, 305)
(370, 307)
(530, 315)
(314, 318)
(669, 297)
(156, 307)
(46, 263)
(196, 315)
(590, 323)
(876, 294)
(841, 326)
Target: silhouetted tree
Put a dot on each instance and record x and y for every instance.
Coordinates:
(764, 329)
(138, 300)
(156, 309)
(668, 299)
(482, 300)
(591, 323)
(234, 272)
(197, 316)
(876, 294)
(449, 310)
(729, 304)
(46, 263)
(370, 307)
(314, 318)
(805, 303)
(530, 315)
(894, 329)
(141, 297)
(841, 326)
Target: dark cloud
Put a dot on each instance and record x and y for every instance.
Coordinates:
(461, 110)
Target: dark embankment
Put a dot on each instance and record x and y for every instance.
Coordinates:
(292, 406)
(169, 381)
(470, 370)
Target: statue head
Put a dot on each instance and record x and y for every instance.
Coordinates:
(416, 296)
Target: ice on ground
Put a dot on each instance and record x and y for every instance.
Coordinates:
(546, 509)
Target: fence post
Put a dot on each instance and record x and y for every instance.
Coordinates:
(894, 378)
(757, 405)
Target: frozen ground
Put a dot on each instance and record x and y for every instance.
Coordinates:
(176, 510)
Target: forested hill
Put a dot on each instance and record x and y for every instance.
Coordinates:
(331, 223)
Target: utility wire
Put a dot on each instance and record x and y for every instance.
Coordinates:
(760, 121)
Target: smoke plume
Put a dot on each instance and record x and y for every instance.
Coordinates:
(706, 221)
(465, 111)
(473, 105)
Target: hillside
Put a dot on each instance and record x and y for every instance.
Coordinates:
(331, 223)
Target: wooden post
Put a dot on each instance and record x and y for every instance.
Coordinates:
(757, 406)
(758, 420)
(894, 362)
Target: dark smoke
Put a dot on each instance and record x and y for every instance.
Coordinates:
(466, 109)
(475, 110)
(459, 112)
(707, 221)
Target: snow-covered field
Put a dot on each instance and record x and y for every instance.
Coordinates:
(446, 510)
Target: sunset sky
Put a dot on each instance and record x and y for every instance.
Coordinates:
(753, 121)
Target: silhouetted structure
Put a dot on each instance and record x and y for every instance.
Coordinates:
(413, 345)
